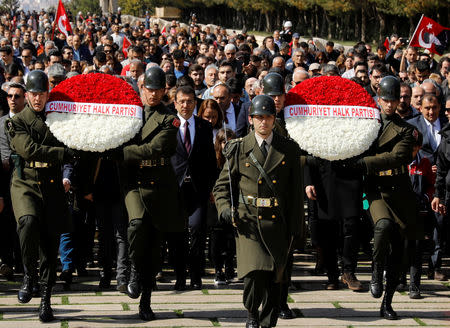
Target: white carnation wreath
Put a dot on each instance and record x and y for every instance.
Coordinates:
(90, 132)
(333, 138)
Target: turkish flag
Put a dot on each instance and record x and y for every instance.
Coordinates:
(62, 21)
(386, 44)
(430, 35)
(164, 31)
(125, 45)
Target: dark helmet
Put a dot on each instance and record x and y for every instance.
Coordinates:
(37, 81)
(155, 78)
(262, 105)
(273, 84)
(389, 88)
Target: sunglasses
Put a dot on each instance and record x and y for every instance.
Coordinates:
(14, 96)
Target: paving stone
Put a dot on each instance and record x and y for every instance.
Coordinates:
(135, 322)
(445, 322)
(29, 324)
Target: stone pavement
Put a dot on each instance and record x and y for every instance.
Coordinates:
(85, 306)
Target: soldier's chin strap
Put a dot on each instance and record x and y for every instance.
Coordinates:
(233, 209)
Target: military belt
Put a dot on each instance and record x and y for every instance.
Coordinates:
(38, 165)
(258, 201)
(391, 172)
(155, 162)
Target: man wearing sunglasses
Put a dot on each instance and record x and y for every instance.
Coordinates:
(8, 236)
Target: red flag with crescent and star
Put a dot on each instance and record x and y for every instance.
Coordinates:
(430, 35)
(62, 21)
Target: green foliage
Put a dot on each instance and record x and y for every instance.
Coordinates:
(9, 5)
(92, 6)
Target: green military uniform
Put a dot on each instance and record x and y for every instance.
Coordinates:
(264, 232)
(392, 205)
(37, 192)
(150, 187)
(389, 188)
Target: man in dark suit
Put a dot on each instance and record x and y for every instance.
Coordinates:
(9, 242)
(429, 124)
(81, 52)
(195, 167)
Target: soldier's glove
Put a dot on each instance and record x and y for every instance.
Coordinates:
(70, 155)
(114, 154)
(226, 217)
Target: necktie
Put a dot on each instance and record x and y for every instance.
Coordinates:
(187, 137)
(264, 149)
(433, 137)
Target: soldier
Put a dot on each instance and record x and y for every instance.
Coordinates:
(390, 194)
(264, 169)
(149, 182)
(273, 86)
(37, 191)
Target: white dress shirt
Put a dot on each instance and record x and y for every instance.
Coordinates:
(191, 121)
(268, 140)
(434, 127)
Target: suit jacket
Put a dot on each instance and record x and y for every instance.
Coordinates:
(339, 189)
(392, 197)
(85, 54)
(200, 163)
(242, 123)
(426, 150)
(264, 234)
(153, 189)
(5, 150)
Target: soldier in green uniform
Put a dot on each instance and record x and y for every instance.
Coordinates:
(390, 194)
(263, 169)
(150, 189)
(37, 192)
(273, 86)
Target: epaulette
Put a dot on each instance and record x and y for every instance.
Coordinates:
(231, 147)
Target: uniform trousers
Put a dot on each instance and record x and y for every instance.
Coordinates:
(388, 243)
(38, 240)
(260, 289)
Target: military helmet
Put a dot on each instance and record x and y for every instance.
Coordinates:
(273, 84)
(155, 78)
(262, 105)
(37, 81)
(389, 88)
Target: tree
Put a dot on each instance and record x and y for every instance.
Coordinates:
(92, 6)
(9, 5)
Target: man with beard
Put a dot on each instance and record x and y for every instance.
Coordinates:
(404, 108)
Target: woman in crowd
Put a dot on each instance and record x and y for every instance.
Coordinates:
(210, 111)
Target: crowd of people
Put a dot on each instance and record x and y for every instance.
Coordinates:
(219, 87)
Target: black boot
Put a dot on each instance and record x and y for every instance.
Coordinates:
(26, 290)
(45, 310)
(145, 311)
(105, 279)
(134, 285)
(386, 310)
(376, 284)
